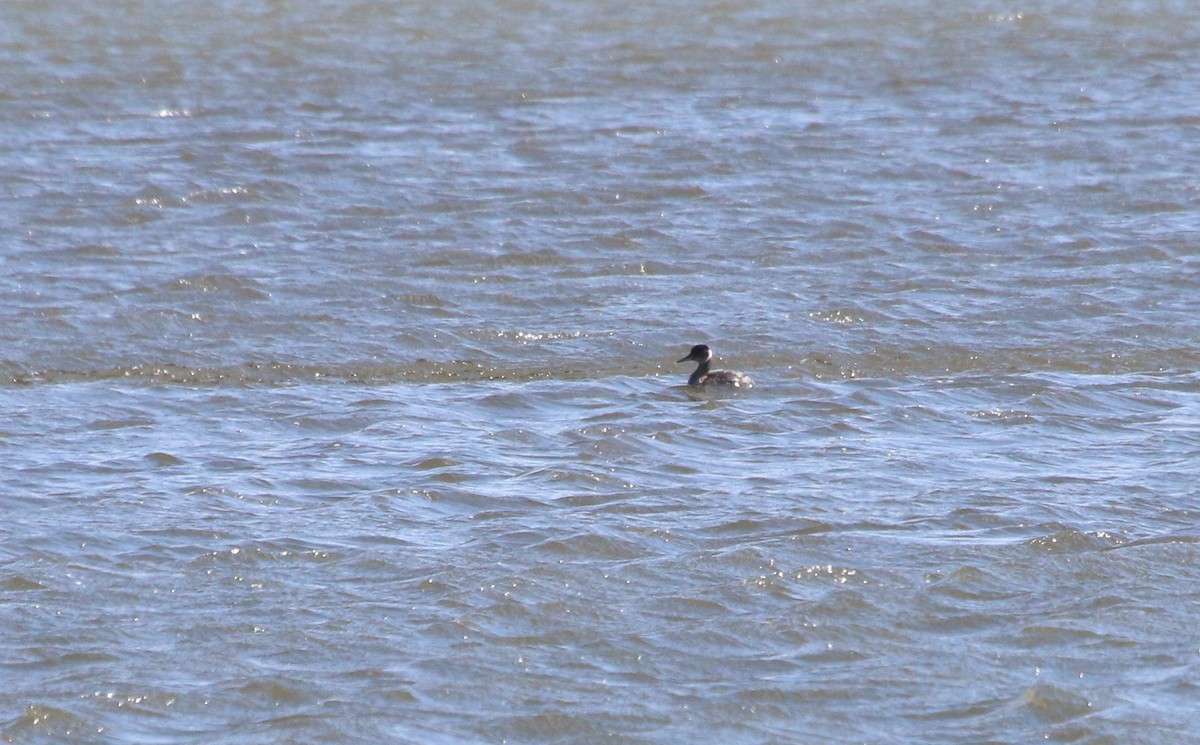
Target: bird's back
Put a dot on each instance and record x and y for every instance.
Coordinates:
(727, 377)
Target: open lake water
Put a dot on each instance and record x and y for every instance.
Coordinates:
(339, 397)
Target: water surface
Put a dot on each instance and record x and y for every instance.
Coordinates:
(337, 368)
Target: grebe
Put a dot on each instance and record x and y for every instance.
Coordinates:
(703, 376)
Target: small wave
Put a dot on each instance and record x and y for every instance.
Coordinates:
(43, 721)
(223, 194)
(1074, 541)
(1054, 704)
(240, 286)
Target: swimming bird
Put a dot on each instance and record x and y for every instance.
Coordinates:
(703, 376)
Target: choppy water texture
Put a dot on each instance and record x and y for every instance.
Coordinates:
(339, 396)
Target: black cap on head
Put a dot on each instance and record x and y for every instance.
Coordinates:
(699, 353)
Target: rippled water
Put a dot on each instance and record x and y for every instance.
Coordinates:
(337, 363)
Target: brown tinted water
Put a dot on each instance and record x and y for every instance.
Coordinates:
(337, 370)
